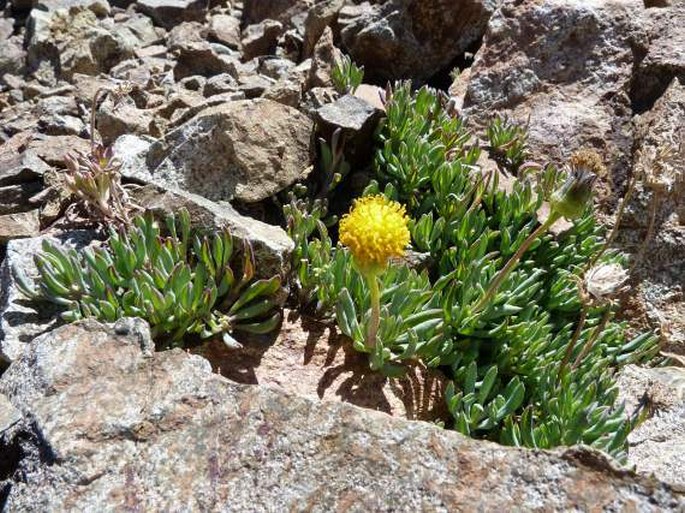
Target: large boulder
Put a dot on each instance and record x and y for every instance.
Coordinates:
(571, 86)
(106, 424)
(416, 39)
(243, 150)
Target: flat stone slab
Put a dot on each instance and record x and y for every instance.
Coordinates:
(108, 425)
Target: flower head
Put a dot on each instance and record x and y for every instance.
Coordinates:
(375, 230)
(605, 280)
(575, 194)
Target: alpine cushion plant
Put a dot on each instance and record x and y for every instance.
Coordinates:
(501, 307)
(180, 284)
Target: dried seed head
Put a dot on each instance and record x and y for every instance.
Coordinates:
(661, 166)
(605, 280)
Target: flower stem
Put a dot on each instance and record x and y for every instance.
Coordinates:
(509, 266)
(374, 322)
(572, 344)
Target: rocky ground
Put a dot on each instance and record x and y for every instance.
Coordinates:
(216, 107)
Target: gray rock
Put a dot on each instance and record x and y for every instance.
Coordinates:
(254, 85)
(20, 319)
(260, 38)
(15, 198)
(319, 17)
(569, 88)
(665, 55)
(17, 165)
(662, 267)
(255, 11)
(12, 57)
(222, 83)
(225, 29)
(401, 39)
(271, 245)
(168, 13)
(655, 446)
(9, 415)
(205, 59)
(245, 150)
(357, 119)
(325, 55)
(132, 429)
(19, 225)
(75, 40)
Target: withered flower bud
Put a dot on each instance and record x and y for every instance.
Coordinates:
(571, 199)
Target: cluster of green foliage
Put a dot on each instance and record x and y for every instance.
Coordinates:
(346, 75)
(180, 284)
(506, 358)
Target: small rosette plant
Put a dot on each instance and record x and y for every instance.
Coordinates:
(180, 284)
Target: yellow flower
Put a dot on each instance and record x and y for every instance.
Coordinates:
(375, 230)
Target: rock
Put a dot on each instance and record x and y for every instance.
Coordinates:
(225, 29)
(59, 115)
(662, 267)
(20, 319)
(19, 225)
(123, 118)
(571, 89)
(53, 148)
(17, 165)
(9, 415)
(168, 13)
(655, 446)
(323, 60)
(319, 17)
(260, 39)
(401, 39)
(203, 58)
(255, 11)
(244, 150)
(373, 95)
(311, 359)
(218, 84)
(271, 245)
(159, 431)
(357, 119)
(75, 40)
(276, 67)
(254, 85)
(6, 28)
(15, 198)
(12, 57)
(664, 58)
